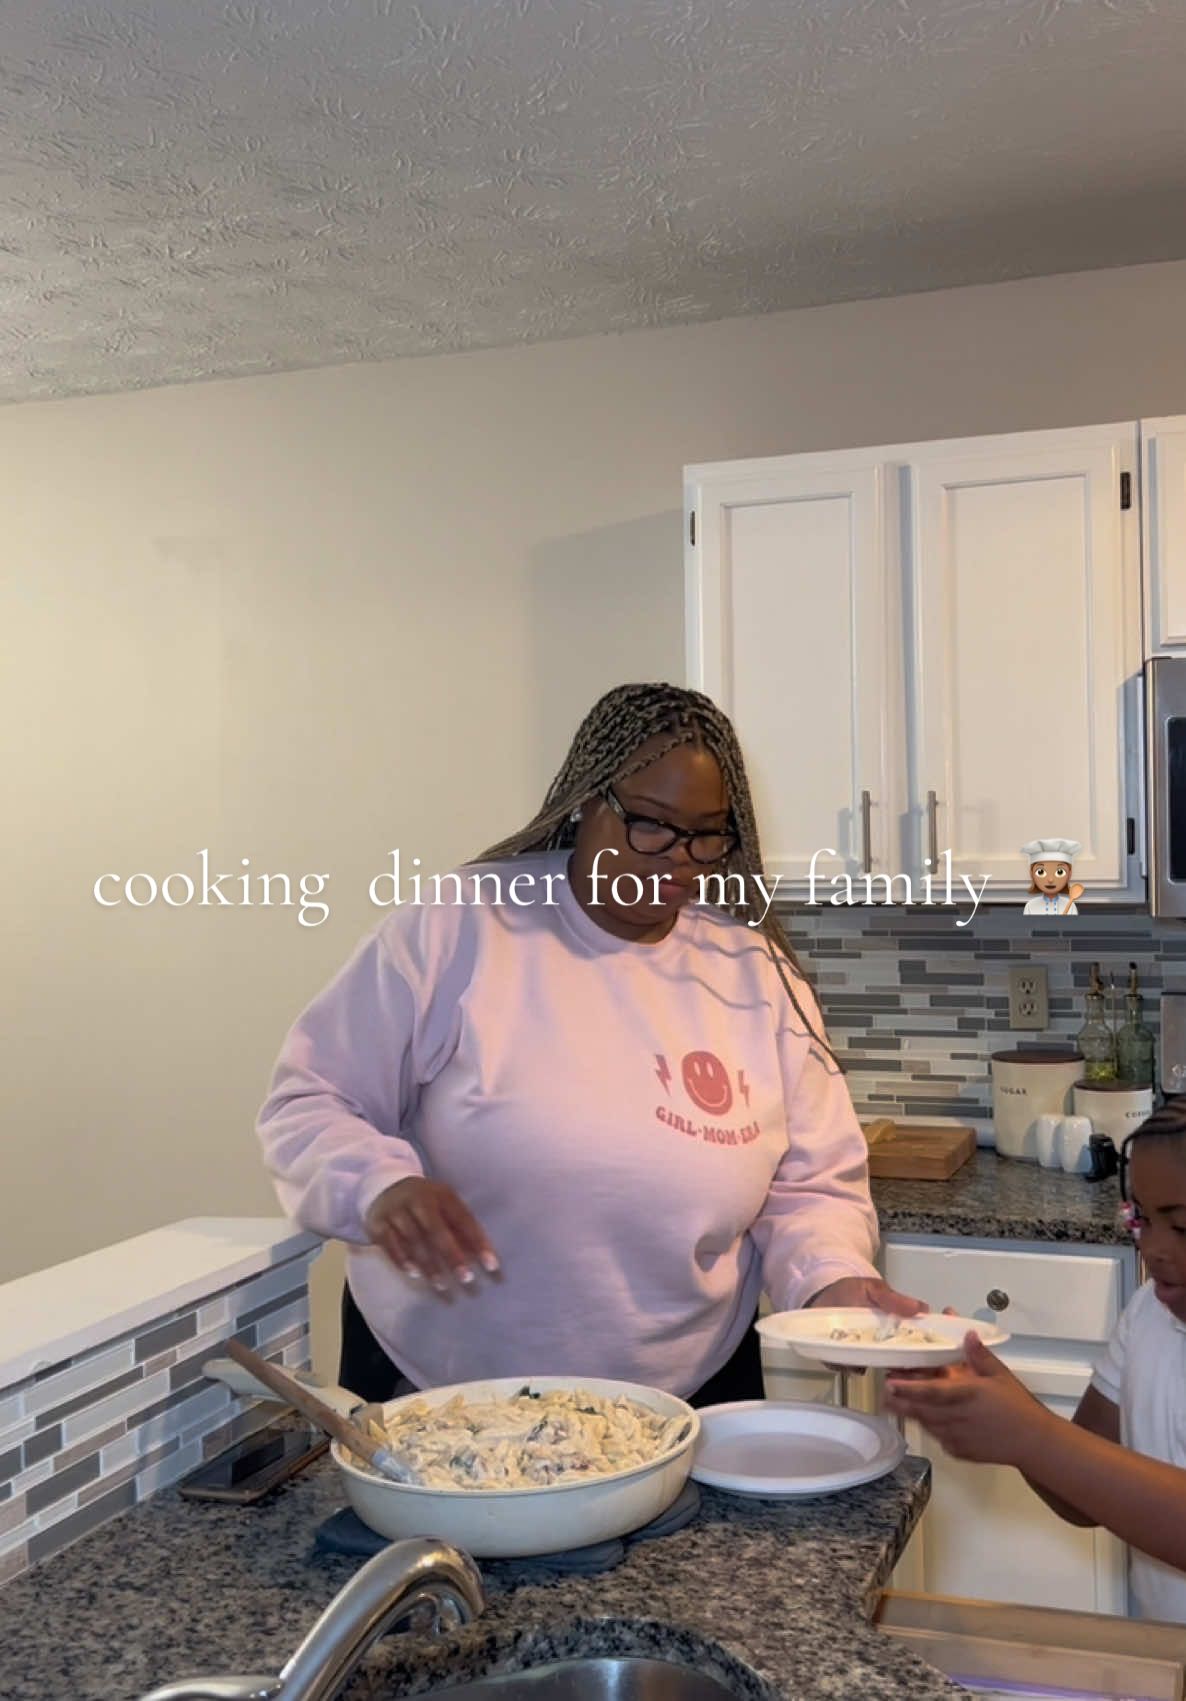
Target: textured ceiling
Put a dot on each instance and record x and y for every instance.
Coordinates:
(191, 189)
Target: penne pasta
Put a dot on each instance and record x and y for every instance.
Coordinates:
(531, 1440)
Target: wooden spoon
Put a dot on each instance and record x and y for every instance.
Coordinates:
(325, 1417)
(1074, 893)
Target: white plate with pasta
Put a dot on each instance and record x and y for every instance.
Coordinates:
(871, 1339)
(526, 1465)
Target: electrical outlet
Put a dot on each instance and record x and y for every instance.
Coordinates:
(1029, 1002)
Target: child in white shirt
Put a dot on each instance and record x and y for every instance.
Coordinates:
(1121, 1461)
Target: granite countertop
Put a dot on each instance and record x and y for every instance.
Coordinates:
(771, 1597)
(998, 1198)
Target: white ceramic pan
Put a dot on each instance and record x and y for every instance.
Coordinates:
(515, 1523)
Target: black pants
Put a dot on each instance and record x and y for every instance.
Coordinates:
(366, 1370)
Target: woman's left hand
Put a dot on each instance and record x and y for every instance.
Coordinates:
(868, 1291)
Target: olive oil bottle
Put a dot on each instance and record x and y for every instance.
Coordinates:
(1095, 1038)
(1134, 1042)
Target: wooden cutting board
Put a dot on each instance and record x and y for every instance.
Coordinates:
(911, 1151)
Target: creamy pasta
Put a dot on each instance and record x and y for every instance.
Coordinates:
(891, 1331)
(531, 1440)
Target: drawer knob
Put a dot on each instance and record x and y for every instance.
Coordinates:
(998, 1299)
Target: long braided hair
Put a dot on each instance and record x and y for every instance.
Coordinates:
(605, 750)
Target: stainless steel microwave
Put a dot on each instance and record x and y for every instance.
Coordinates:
(1165, 725)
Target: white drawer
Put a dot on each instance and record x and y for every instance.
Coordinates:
(1062, 1296)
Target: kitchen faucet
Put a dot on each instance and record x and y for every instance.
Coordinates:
(425, 1586)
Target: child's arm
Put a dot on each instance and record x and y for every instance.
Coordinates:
(1098, 1416)
(984, 1413)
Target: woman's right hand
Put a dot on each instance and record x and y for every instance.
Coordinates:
(428, 1232)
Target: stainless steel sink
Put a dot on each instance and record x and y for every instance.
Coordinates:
(593, 1680)
(433, 1589)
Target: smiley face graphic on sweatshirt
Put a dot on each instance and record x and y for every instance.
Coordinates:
(706, 1081)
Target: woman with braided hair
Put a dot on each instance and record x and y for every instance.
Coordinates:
(578, 1130)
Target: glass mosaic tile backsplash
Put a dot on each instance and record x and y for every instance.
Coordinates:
(916, 1005)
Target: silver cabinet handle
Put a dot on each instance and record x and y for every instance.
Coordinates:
(998, 1300)
(933, 827)
(866, 834)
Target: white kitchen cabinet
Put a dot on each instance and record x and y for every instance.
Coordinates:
(1025, 609)
(1163, 514)
(985, 1534)
(789, 615)
(928, 648)
(1069, 1298)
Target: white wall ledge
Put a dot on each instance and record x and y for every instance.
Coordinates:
(69, 1308)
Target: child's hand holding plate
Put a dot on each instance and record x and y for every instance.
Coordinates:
(860, 1338)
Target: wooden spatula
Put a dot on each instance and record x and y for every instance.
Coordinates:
(1074, 893)
(325, 1417)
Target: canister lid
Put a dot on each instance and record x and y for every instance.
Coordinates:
(1039, 1054)
(1113, 1086)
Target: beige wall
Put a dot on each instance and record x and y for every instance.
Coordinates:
(303, 619)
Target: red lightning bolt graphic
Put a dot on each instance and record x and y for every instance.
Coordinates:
(663, 1072)
(743, 1085)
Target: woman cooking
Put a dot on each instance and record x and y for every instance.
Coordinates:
(577, 1131)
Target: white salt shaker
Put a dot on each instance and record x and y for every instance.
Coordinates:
(1074, 1144)
(1045, 1132)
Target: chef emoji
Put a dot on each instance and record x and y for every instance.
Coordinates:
(1050, 876)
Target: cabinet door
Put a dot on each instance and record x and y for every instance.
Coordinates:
(986, 1536)
(1163, 514)
(790, 616)
(1025, 609)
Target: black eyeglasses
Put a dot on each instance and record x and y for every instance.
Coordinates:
(651, 838)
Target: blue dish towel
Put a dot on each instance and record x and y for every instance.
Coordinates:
(345, 1533)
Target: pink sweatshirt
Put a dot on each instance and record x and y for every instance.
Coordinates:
(646, 1133)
